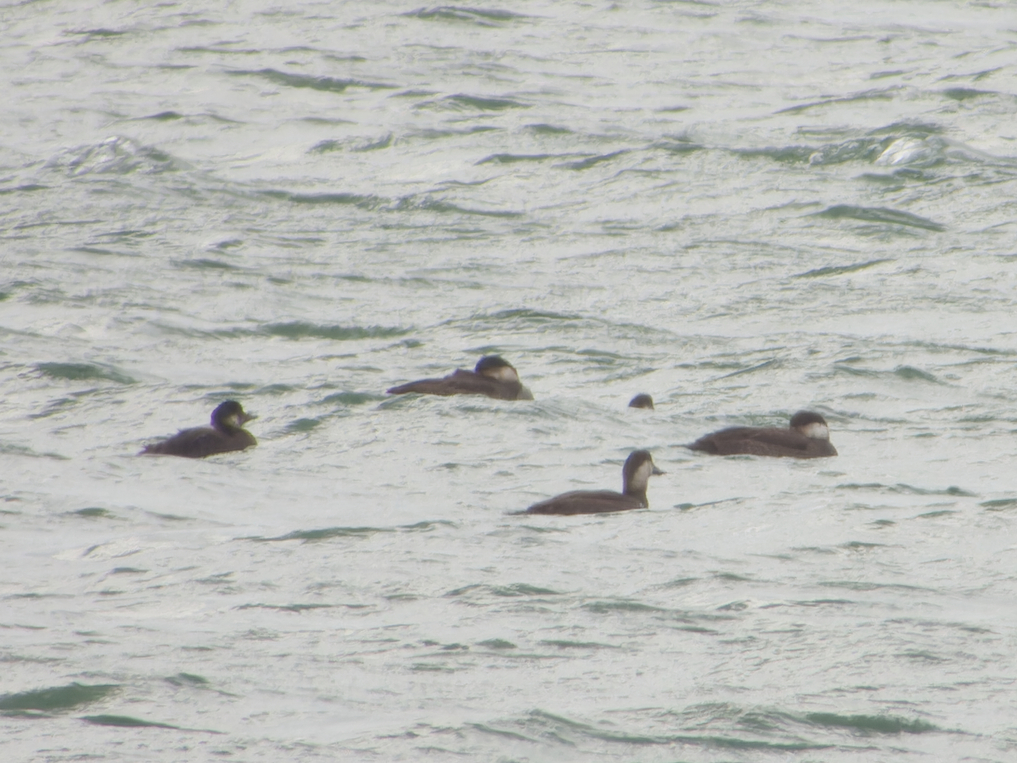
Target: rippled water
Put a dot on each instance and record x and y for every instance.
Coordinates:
(743, 209)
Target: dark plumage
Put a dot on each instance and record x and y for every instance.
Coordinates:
(808, 436)
(636, 473)
(226, 434)
(493, 377)
(642, 400)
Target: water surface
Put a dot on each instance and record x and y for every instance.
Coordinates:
(743, 209)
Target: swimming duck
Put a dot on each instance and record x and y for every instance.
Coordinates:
(636, 473)
(493, 376)
(642, 400)
(808, 436)
(226, 434)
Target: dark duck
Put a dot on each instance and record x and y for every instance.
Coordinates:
(642, 400)
(493, 377)
(808, 436)
(226, 434)
(636, 474)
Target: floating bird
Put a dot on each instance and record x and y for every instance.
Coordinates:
(493, 376)
(642, 400)
(226, 434)
(808, 436)
(636, 473)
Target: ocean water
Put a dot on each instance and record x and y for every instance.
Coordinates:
(741, 208)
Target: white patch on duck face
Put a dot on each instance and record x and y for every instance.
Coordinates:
(816, 431)
(641, 478)
(502, 374)
(237, 420)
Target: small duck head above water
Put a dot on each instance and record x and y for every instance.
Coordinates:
(642, 400)
(636, 473)
(497, 368)
(811, 424)
(230, 416)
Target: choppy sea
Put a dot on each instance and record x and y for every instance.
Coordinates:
(741, 208)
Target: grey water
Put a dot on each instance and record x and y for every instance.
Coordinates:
(741, 208)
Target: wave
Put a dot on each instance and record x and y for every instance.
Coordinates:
(462, 102)
(303, 330)
(113, 156)
(54, 699)
(337, 198)
(879, 215)
(839, 270)
(323, 84)
(83, 372)
(327, 533)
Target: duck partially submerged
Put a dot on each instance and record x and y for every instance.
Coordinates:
(808, 436)
(493, 376)
(636, 474)
(226, 434)
(642, 400)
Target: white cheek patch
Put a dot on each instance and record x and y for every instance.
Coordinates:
(642, 475)
(503, 374)
(816, 431)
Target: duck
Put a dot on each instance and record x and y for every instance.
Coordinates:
(642, 400)
(226, 434)
(808, 436)
(493, 376)
(636, 474)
